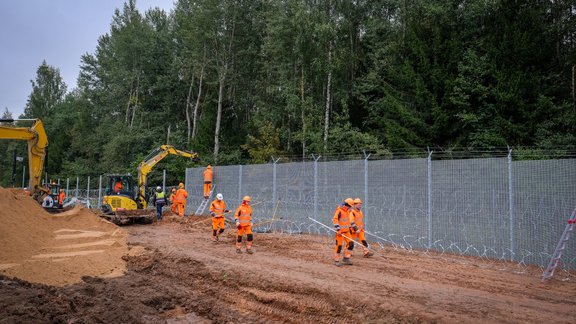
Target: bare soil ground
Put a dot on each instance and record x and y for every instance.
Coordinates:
(175, 274)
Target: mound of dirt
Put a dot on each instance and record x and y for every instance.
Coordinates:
(56, 249)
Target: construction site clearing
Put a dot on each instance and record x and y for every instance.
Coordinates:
(75, 267)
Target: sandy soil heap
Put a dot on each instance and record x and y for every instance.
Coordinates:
(56, 249)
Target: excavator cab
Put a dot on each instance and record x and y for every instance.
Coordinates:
(120, 193)
(50, 200)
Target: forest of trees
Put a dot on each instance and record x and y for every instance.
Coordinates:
(242, 80)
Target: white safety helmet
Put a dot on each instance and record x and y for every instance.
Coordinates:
(158, 188)
(219, 196)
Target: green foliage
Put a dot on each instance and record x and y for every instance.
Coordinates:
(404, 75)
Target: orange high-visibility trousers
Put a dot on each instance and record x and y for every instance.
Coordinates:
(249, 236)
(217, 223)
(361, 238)
(207, 189)
(180, 208)
(343, 235)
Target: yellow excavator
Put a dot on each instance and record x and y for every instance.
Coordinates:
(37, 140)
(121, 204)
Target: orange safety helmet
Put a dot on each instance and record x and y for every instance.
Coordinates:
(357, 201)
(246, 198)
(349, 201)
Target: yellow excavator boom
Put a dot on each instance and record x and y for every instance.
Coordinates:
(145, 167)
(37, 143)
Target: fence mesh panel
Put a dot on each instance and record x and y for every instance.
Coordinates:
(450, 206)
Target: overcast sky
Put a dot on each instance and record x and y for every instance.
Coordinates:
(58, 31)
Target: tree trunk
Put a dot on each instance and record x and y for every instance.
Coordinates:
(137, 90)
(197, 105)
(221, 80)
(328, 100)
(188, 105)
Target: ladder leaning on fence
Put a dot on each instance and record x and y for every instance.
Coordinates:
(560, 248)
(204, 203)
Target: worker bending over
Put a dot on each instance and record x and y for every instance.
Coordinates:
(343, 221)
(358, 218)
(217, 211)
(243, 217)
(207, 181)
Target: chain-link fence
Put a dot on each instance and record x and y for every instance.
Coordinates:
(496, 208)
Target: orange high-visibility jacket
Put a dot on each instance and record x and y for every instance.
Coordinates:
(243, 215)
(208, 175)
(118, 186)
(218, 207)
(181, 195)
(358, 218)
(172, 197)
(61, 197)
(342, 217)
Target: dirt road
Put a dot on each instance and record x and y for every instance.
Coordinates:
(177, 275)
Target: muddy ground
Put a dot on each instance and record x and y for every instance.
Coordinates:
(177, 275)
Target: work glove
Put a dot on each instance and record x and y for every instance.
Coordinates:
(572, 221)
(238, 224)
(212, 214)
(355, 228)
(337, 227)
(227, 211)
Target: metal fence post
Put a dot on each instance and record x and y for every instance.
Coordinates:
(99, 191)
(88, 193)
(164, 180)
(23, 175)
(67, 187)
(316, 185)
(240, 183)
(58, 181)
(274, 181)
(365, 204)
(429, 198)
(77, 185)
(511, 205)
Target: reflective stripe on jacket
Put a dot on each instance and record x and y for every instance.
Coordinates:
(208, 175)
(342, 217)
(181, 195)
(218, 207)
(243, 215)
(358, 218)
(160, 198)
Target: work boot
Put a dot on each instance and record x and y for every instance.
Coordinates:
(368, 254)
(346, 261)
(249, 251)
(337, 263)
(238, 251)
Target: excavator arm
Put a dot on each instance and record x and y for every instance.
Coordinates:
(145, 167)
(37, 143)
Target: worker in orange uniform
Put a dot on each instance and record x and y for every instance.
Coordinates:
(171, 199)
(217, 211)
(61, 197)
(343, 221)
(243, 217)
(207, 181)
(118, 186)
(358, 217)
(180, 198)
